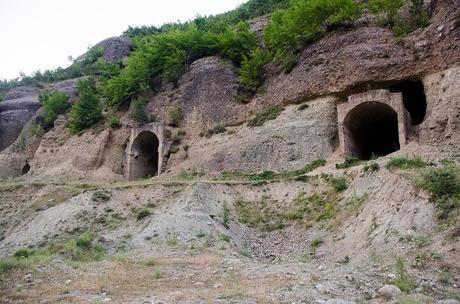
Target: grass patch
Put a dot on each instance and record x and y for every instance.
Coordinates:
(348, 163)
(444, 185)
(339, 184)
(403, 280)
(216, 129)
(224, 237)
(372, 167)
(269, 113)
(271, 175)
(404, 163)
(143, 213)
(101, 196)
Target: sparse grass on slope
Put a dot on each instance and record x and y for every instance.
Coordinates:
(404, 163)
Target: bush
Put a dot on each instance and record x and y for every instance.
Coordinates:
(372, 167)
(444, 184)
(388, 10)
(87, 111)
(269, 113)
(36, 130)
(236, 43)
(348, 163)
(85, 240)
(24, 253)
(403, 280)
(139, 113)
(407, 163)
(175, 116)
(339, 184)
(142, 213)
(115, 123)
(252, 73)
(54, 104)
(217, 129)
(305, 21)
(101, 196)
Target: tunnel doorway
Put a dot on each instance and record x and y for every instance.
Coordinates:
(414, 99)
(25, 169)
(371, 130)
(144, 156)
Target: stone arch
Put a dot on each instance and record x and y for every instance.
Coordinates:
(145, 151)
(372, 123)
(144, 155)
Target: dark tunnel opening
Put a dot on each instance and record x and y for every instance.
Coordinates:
(414, 99)
(371, 129)
(144, 156)
(25, 169)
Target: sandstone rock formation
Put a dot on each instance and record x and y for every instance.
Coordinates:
(115, 49)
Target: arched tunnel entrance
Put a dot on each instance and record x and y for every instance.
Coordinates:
(371, 129)
(144, 156)
(373, 123)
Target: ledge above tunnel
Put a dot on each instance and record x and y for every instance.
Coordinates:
(372, 123)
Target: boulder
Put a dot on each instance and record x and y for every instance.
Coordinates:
(450, 301)
(389, 292)
(68, 87)
(115, 49)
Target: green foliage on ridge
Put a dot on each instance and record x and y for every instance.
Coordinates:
(54, 104)
(87, 111)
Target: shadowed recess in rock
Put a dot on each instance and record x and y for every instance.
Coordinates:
(371, 129)
(145, 155)
(414, 99)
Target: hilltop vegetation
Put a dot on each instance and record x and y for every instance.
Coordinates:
(165, 52)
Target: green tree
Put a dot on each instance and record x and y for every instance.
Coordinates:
(139, 113)
(252, 73)
(87, 111)
(236, 43)
(307, 20)
(54, 103)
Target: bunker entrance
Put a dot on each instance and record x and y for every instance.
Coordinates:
(371, 129)
(414, 99)
(144, 152)
(25, 169)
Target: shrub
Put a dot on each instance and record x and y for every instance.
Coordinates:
(388, 10)
(348, 163)
(115, 123)
(444, 184)
(407, 163)
(139, 113)
(54, 104)
(372, 167)
(85, 240)
(101, 196)
(24, 253)
(87, 111)
(418, 13)
(305, 21)
(269, 113)
(235, 43)
(36, 130)
(403, 280)
(175, 116)
(142, 213)
(252, 72)
(216, 129)
(339, 184)
(225, 238)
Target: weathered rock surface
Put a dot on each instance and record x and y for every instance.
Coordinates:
(68, 87)
(390, 292)
(20, 105)
(115, 49)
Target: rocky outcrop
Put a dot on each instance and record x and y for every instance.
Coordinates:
(350, 62)
(20, 105)
(206, 94)
(68, 87)
(115, 49)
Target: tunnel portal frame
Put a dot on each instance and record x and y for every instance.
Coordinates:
(158, 129)
(392, 100)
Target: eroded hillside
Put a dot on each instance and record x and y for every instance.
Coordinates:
(335, 182)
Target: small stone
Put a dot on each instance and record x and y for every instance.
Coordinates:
(68, 282)
(105, 300)
(217, 286)
(28, 278)
(199, 284)
(389, 292)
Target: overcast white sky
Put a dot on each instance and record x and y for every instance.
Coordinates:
(42, 34)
